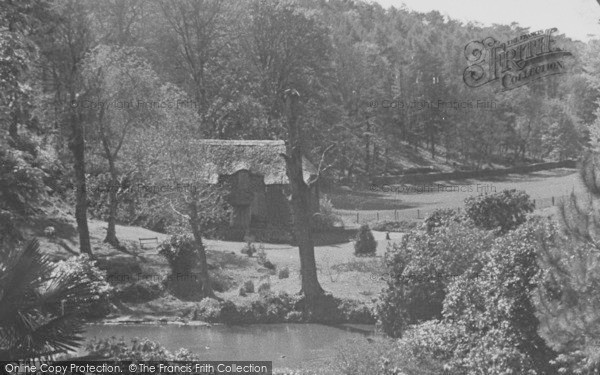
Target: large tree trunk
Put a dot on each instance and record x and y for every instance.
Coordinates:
(300, 204)
(207, 290)
(113, 204)
(77, 147)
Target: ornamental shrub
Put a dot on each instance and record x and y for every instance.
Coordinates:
(502, 211)
(182, 255)
(365, 244)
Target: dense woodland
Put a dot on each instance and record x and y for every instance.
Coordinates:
(91, 89)
(100, 102)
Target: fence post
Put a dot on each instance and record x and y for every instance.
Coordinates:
(418, 214)
(356, 217)
(553, 200)
(396, 215)
(377, 215)
(534, 205)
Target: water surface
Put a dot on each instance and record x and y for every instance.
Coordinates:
(287, 345)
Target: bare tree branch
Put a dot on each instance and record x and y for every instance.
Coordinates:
(320, 168)
(177, 212)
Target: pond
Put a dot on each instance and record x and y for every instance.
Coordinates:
(287, 345)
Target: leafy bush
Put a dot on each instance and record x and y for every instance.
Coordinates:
(365, 244)
(221, 281)
(139, 291)
(182, 255)
(381, 356)
(503, 211)
(419, 270)
(284, 273)
(488, 319)
(262, 258)
(21, 182)
(442, 217)
(249, 286)
(120, 269)
(496, 306)
(208, 310)
(264, 288)
(249, 249)
(83, 268)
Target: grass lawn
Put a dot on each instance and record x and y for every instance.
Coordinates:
(414, 202)
(339, 271)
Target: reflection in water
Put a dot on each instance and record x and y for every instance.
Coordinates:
(287, 345)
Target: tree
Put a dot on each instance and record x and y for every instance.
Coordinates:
(300, 202)
(63, 47)
(175, 166)
(570, 299)
(123, 98)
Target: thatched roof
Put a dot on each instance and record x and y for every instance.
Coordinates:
(225, 157)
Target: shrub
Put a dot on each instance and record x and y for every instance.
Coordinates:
(220, 281)
(497, 307)
(442, 217)
(141, 291)
(488, 319)
(262, 258)
(21, 182)
(249, 249)
(270, 266)
(294, 317)
(83, 268)
(242, 292)
(249, 286)
(209, 310)
(182, 255)
(229, 312)
(261, 255)
(284, 273)
(365, 244)
(381, 356)
(264, 288)
(503, 211)
(356, 312)
(419, 270)
(120, 269)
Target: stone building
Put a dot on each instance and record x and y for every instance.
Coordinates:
(255, 173)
